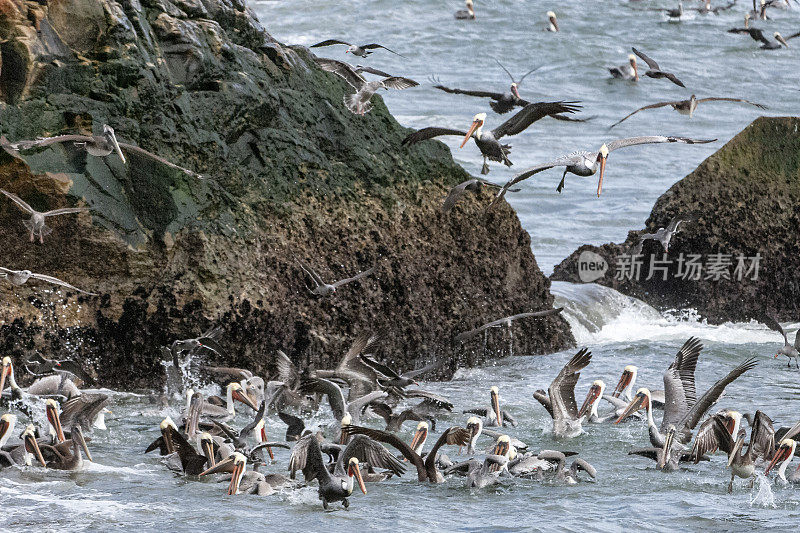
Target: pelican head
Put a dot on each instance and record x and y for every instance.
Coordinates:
(783, 454)
(626, 380)
(239, 467)
(602, 155)
(7, 423)
(354, 470)
(494, 395)
(515, 89)
(237, 393)
(666, 451)
(207, 446)
(477, 125)
(6, 372)
(502, 446)
(51, 410)
(632, 61)
(420, 436)
(595, 393)
(111, 138)
(346, 421)
(553, 21)
(734, 421)
(780, 39)
(641, 400)
(31, 446)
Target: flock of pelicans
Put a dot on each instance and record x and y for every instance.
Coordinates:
(346, 452)
(361, 388)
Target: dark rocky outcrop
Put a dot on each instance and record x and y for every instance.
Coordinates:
(746, 199)
(295, 175)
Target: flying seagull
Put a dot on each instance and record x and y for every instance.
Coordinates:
(662, 235)
(36, 225)
(321, 288)
(461, 337)
(655, 71)
(358, 50)
(20, 277)
(687, 107)
(461, 189)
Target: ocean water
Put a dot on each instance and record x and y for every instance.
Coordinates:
(125, 489)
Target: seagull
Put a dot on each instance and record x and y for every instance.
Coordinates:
(359, 101)
(20, 277)
(662, 235)
(790, 351)
(461, 337)
(199, 345)
(325, 289)
(655, 71)
(36, 225)
(687, 107)
(361, 51)
(475, 184)
(99, 146)
(585, 164)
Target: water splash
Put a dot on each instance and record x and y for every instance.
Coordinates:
(763, 497)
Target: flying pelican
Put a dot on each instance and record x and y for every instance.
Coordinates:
(322, 288)
(784, 455)
(36, 224)
(86, 410)
(493, 416)
(466, 14)
(20, 277)
(357, 50)
(790, 351)
(552, 22)
(687, 107)
(766, 44)
(359, 101)
(585, 164)
(560, 397)
(100, 146)
(394, 379)
(488, 142)
(426, 468)
(662, 235)
(506, 321)
(655, 71)
(629, 71)
(457, 192)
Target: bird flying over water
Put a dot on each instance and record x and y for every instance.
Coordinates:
(36, 225)
(758, 35)
(357, 50)
(687, 107)
(655, 71)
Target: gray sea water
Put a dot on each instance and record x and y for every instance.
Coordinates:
(124, 489)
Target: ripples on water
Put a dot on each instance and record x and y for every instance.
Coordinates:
(127, 489)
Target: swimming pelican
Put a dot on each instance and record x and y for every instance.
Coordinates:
(560, 398)
(758, 35)
(687, 107)
(586, 164)
(592, 401)
(67, 455)
(488, 142)
(552, 22)
(784, 455)
(475, 428)
(36, 224)
(466, 14)
(493, 415)
(655, 71)
(629, 71)
(569, 477)
(28, 449)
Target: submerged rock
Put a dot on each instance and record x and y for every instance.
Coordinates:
(739, 257)
(291, 174)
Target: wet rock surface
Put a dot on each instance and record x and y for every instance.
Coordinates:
(291, 174)
(745, 199)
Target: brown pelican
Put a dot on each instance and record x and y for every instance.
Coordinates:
(466, 14)
(87, 410)
(592, 401)
(51, 412)
(762, 445)
(784, 455)
(629, 71)
(586, 164)
(340, 407)
(338, 486)
(36, 224)
(361, 51)
(244, 481)
(494, 465)
(361, 377)
(766, 44)
(164, 443)
(26, 451)
(569, 477)
(420, 436)
(395, 421)
(506, 321)
(493, 415)
(655, 71)
(687, 107)
(457, 192)
(56, 385)
(707, 441)
(552, 22)
(662, 235)
(100, 146)
(67, 455)
(206, 344)
(322, 288)
(488, 142)
(475, 428)
(426, 468)
(668, 455)
(560, 397)
(20, 277)
(7, 423)
(359, 101)
(789, 350)
(234, 392)
(682, 409)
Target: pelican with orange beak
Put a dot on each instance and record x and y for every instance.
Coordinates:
(783, 456)
(591, 403)
(493, 415)
(164, 443)
(7, 373)
(420, 436)
(260, 433)
(475, 428)
(51, 410)
(24, 454)
(629, 71)
(7, 423)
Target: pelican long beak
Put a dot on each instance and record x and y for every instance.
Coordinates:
(783, 453)
(780, 39)
(496, 407)
(116, 146)
(264, 439)
(419, 436)
(554, 22)
(634, 406)
(736, 447)
(31, 446)
(4, 373)
(515, 90)
(236, 477)
(603, 159)
(225, 465)
(594, 393)
(208, 451)
(666, 450)
(355, 471)
(244, 398)
(475, 125)
(624, 380)
(55, 421)
(4, 426)
(76, 432)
